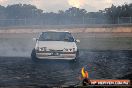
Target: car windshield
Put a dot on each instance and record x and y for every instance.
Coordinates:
(56, 36)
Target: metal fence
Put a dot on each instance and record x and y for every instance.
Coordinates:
(84, 20)
(123, 20)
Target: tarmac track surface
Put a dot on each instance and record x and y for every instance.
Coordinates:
(23, 71)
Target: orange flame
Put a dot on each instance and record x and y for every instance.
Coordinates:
(84, 73)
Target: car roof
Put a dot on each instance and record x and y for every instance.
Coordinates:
(56, 31)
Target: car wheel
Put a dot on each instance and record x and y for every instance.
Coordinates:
(33, 55)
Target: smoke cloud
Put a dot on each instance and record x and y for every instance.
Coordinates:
(3, 1)
(77, 3)
(39, 3)
(109, 1)
(55, 5)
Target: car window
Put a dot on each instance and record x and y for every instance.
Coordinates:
(56, 36)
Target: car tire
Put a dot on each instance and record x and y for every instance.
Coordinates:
(33, 55)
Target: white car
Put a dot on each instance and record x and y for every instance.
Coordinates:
(55, 45)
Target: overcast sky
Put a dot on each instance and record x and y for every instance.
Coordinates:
(55, 5)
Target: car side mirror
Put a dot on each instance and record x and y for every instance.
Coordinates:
(77, 40)
(35, 39)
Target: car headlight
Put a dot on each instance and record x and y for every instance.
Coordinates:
(65, 49)
(74, 50)
(43, 49)
(70, 50)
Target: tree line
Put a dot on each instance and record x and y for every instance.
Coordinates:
(30, 14)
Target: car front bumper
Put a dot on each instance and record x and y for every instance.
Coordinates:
(49, 55)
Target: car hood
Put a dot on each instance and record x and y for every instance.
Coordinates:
(57, 45)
